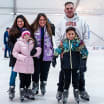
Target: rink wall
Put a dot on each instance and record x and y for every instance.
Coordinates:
(96, 24)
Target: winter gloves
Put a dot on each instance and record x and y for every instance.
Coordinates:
(54, 61)
(33, 51)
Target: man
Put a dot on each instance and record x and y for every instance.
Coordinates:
(7, 49)
(71, 20)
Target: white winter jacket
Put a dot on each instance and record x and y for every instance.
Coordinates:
(81, 28)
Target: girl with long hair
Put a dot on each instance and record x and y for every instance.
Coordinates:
(42, 32)
(20, 22)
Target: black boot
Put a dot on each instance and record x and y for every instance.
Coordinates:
(35, 88)
(76, 95)
(29, 94)
(59, 95)
(22, 94)
(84, 95)
(11, 92)
(65, 96)
(43, 87)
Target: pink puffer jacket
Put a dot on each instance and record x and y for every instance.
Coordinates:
(21, 51)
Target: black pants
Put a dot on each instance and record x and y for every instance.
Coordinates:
(41, 70)
(67, 74)
(81, 80)
(83, 69)
(25, 80)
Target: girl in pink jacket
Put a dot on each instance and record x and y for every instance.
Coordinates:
(24, 62)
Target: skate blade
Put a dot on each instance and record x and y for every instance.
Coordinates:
(59, 101)
(76, 102)
(11, 97)
(85, 99)
(43, 93)
(22, 100)
(64, 102)
(30, 98)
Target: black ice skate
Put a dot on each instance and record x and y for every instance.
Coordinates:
(29, 94)
(43, 87)
(22, 94)
(35, 88)
(59, 95)
(11, 92)
(84, 95)
(65, 97)
(76, 95)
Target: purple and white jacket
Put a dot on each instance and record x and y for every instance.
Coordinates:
(48, 46)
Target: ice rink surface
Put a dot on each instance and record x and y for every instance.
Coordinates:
(94, 82)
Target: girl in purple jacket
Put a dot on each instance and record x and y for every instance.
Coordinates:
(43, 34)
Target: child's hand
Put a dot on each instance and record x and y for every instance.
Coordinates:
(61, 44)
(29, 38)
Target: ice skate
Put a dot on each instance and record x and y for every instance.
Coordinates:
(22, 94)
(59, 96)
(11, 92)
(84, 95)
(65, 97)
(29, 94)
(43, 87)
(35, 88)
(76, 95)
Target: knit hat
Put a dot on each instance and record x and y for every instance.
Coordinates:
(26, 32)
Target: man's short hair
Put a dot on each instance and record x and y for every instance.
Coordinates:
(8, 28)
(66, 3)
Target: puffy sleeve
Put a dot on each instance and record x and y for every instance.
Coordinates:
(38, 52)
(83, 50)
(17, 52)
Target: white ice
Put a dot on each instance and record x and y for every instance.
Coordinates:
(94, 82)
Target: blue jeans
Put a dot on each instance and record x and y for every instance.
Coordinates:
(12, 78)
(7, 49)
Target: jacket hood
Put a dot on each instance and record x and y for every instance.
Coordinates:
(74, 18)
(23, 40)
